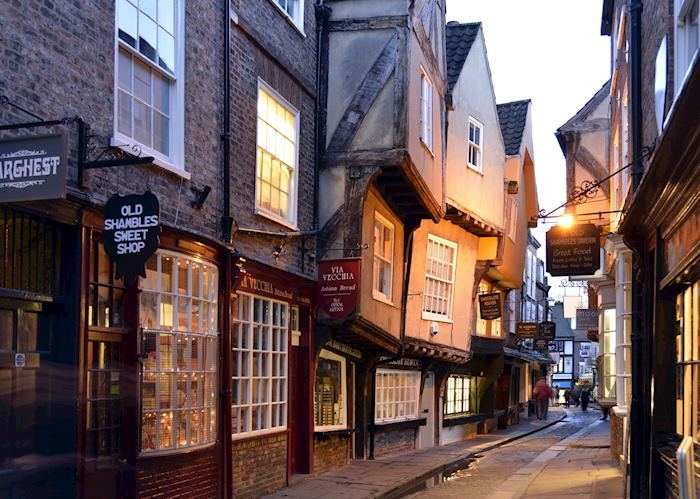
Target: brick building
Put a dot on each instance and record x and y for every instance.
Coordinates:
(190, 378)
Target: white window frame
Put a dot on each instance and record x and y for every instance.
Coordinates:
(426, 110)
(449, 407)
(376, 294)
(175, 161)
(687, 361)
(607, 323)
(683, 60)
(154, 369)
(326, 354)
(244, 378)
(296, 21)
(397, 395)
(291, 221)
(480, 147)
(427, 315)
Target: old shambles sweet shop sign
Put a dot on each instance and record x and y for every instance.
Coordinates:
(132, 230)
(338, 286)
(32, 168)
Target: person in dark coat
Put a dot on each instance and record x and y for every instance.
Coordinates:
(567, 397)
(585, 398)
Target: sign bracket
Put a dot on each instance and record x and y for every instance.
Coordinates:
(90, 154)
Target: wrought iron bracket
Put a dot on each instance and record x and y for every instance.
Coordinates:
(91, 155)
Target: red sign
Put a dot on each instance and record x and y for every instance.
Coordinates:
(339, 286)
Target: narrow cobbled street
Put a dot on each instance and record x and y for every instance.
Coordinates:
(571, 458)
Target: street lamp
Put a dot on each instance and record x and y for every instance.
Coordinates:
(566, 221)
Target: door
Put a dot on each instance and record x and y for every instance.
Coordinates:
(299, 414)
(37, 396)
(427, 432)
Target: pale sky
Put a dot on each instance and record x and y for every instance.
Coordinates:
(549, 51)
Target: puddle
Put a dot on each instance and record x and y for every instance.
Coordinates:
(459, 469)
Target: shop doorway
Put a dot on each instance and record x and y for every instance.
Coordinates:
(427, 432)
(300, 423)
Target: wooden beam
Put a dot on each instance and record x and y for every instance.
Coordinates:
(379, 157)
(366, 23)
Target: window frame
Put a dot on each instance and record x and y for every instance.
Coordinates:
(376, 294)
(608, 339)
(293, 195)
(298, 22)
(328, 355)
(249, 377)
(480, 147)
(470, 390)
(175, 161)
(426, 131)
(512, 219)
(208, 368)
(683, 60)
(403, 390)
(427, 315)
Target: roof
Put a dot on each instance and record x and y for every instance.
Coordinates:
(582, 113)
(459, 41)
(513, 116)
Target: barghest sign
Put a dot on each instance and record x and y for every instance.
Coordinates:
(132, 232)
(573, 250)
(32, 168)
(338, 286)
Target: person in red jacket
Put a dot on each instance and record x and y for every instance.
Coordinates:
(542, 393)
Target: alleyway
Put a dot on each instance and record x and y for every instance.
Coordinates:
(568, 457)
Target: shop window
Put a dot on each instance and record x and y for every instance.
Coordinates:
(330, 392)
(688, 362)
(260, 365)
(396, 396)
(383, 257)
(276, 160)
(608, 342)
(476, 133)
(178, 314)
(149, 77)
(426, 110)
(439, 278)
(460, 396)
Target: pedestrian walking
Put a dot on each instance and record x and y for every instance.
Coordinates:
(585, 398)
(567, 397)
(606, 412)
(576, 395)
(542, 393)
(555, 395)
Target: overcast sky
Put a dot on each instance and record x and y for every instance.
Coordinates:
(549, 51)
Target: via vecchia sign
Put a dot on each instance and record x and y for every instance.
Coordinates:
(132, 230)
(339, 286)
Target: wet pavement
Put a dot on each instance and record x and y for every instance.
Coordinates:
(570, 459)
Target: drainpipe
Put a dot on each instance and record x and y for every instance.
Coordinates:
(640, 417)
(323, 13)
(226, 220)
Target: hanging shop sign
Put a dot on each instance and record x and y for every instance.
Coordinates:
(541, 344)
(547, 331)
(574, 250)
(490, 306)
(586, 319)
(33, 168)
(339, 286)
(132, 230)
(526, 329)
(584, 350)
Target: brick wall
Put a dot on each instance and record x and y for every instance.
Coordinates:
(192, 475)
(393, 442)
(616, 435)
(259, 465)
(330, 453)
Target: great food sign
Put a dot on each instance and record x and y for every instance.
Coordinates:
(32, 168)
(339, 286)
(132, 231)
(573, 250)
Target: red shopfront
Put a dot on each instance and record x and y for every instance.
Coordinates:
(271, 374)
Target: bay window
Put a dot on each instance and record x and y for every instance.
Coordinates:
(260, 365)
(178, 314)
(396, 395)
(608, 342)
(688, 362)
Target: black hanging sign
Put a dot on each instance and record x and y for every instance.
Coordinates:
(547, 331)
(132, 230)
(490, 306)
(32, 168)
(573, 250)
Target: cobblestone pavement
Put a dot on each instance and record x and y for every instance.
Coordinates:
(571, 459)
